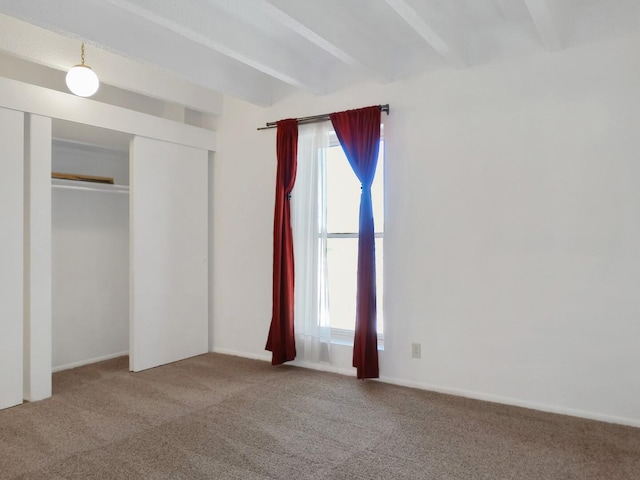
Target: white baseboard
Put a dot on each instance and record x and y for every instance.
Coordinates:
(323, 367)
(295, 363)
(225, 351)
(450, 391)
(513, 401)
(88, 361)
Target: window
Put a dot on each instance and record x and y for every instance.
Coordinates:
(325, 205)
(341, 191)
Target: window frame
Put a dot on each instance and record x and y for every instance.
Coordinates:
(342, 336)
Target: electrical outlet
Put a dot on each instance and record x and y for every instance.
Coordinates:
(416, 350)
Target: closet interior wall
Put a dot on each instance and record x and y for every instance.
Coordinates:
(90, 255)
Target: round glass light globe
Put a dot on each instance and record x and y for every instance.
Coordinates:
(82, 81)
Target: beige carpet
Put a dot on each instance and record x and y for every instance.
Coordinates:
(217, 416)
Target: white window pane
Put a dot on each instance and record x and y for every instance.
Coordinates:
(377, 192)
(343, 193)
(342, 261)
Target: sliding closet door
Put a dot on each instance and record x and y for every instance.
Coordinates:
(11, 256)
(169, 273)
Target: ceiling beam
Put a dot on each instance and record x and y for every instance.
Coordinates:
(231, 38)
(309, 20)
(635, 10)
(509, 9)
(43, 47)
(443, 47)
(137, 43)
(546, 21)
(305, 32)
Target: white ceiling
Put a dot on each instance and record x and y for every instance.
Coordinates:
(259, 50)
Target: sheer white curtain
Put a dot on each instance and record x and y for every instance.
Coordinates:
(308, 213)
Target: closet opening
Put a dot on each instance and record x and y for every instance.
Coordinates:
(90, 244)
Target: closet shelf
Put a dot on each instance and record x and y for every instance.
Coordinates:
(88, 186)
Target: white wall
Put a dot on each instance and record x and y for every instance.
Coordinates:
(11, 256)
(90, 242)
(74, 157)
(512, 229)
(24, 97)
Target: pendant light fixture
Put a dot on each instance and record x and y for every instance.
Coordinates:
(81, 80)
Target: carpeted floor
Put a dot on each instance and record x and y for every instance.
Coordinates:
(222, 417)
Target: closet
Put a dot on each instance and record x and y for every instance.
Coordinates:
(93, 277)
(91, 271)
(90, 252)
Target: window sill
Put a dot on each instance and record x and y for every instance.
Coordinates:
(344, 338)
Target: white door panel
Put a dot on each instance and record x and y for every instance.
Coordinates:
(169, 253)
(11, 256)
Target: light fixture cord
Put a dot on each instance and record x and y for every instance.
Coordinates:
(82, 54)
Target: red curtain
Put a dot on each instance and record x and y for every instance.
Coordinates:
(281, 340)
(359, 135)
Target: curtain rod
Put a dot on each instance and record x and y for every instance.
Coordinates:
(316, 118)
